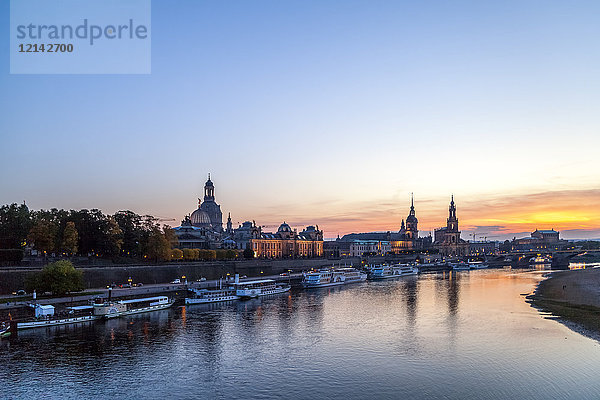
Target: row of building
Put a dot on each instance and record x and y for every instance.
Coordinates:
(446, 241)
(203, 229)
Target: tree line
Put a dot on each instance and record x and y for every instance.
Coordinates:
(83, 232)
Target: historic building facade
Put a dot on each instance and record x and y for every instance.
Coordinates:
(447, 239)
(406, 239)
(287, 243)
(540, 240)
(203, 228)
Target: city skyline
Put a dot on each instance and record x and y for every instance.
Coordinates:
(328, 113)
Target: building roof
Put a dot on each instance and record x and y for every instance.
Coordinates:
(546, 231)
(200, 218)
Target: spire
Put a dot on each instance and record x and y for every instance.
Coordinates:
(412, 200)
(209, 176)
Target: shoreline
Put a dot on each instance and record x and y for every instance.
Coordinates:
(573, 299)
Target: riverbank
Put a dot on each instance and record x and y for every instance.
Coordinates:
(574, 297)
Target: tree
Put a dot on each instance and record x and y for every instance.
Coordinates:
(70, 238)
(59, 277)
(131, 227)
(248, 252)
(177, 254)
(221, 254)
(158, 248)
(42, 236)
(15, 224)
(189, 254)
(231, 254)
(170, 236)
(114, 236)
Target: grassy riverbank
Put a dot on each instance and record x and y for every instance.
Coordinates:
(573, 296)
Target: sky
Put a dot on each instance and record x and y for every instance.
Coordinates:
(329, 113)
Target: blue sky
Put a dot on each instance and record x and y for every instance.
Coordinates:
(325, 112)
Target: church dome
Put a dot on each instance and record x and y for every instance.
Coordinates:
(411, 218)
(200, 218)
(284, 228)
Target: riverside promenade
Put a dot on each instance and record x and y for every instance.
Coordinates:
(20, 303)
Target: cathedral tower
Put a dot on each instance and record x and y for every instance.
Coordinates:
(211, 207)
(412, 231)
(452, 221)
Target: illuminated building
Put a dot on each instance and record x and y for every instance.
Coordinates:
(287, 243)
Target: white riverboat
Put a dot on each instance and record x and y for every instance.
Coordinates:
(406, 270)
(204, 296)
(114, 309)
(45, 317)
(477, 265)
(332, 277)
(352, 275)
(258, 288)
(460, 266)
(385, 271)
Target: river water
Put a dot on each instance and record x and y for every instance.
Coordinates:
(465, 335)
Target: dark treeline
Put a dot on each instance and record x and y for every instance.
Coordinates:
(84, 233)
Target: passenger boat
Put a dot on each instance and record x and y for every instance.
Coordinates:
(323, 278)
(114, 309)
(45, 316)
(477, 265)
(384, 271)
(203, 296)
(460, 266)
(332, 277)
(258, 288)
(352, 275)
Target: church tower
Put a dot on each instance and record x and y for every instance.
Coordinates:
(452, 221)
(412, 231)
(211, 207)
(209, 190)
(229, 224)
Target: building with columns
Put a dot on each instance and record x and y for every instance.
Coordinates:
(287, 243)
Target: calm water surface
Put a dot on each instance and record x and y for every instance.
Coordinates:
(468, 335)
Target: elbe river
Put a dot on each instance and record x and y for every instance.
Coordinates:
(462, 335)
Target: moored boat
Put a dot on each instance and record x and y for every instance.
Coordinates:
(45, 316)
(385, 271)
(477, 265)
(258, 288)
(332, 277)
(323, 278)
(352, 275)
(114, 309)
(203, 296)
(460, 266)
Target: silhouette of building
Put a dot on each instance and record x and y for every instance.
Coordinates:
(407, 238)
(447, 239)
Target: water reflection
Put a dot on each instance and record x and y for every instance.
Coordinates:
(455, 335)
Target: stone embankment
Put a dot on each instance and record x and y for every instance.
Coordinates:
(12, 279)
